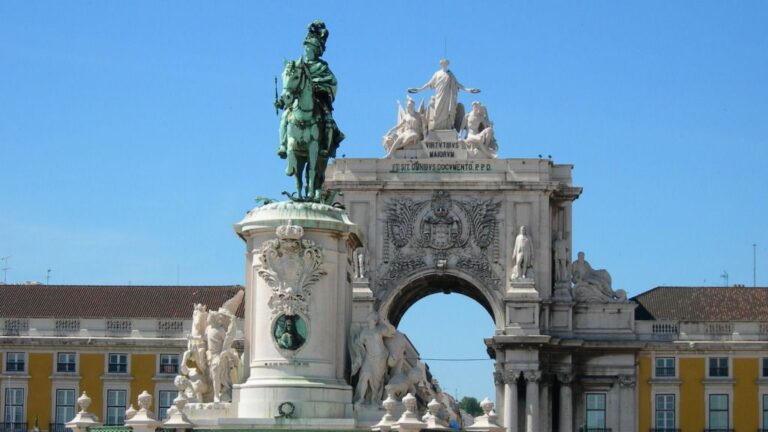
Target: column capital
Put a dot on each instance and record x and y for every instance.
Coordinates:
(498, 378)
(511, 376)
(565, 378)
(627, 381)
(533, 376)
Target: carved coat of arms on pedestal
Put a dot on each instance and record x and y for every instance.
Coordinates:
(290, 265)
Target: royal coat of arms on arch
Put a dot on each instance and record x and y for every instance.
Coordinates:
(441, 232)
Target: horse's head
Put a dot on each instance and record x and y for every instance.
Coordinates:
(294, 78)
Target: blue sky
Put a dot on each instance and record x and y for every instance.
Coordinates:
(134, 134)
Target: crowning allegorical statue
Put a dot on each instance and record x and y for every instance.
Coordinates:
(444, 115)
(309, 135)
(479, 137)
(411, 128)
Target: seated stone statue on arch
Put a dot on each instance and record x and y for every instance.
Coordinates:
(478, 132)
(593, 286)
(410, 129)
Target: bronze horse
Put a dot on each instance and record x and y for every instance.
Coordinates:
(300, 132)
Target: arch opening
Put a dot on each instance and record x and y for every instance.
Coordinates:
(425, 285)
(448, 331)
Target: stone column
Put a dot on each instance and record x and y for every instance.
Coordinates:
(532, 401)
(510, 401)
(626, 402)
(566, 402)
(545, 405)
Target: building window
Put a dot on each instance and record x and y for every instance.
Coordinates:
(718, 411)
(169, 363)
(165, 401)
(718, 367)
(595, 411)
(765, 412)
(665, 412)
(115, 407)
(65, 362)
(118, 363)
(665, 366)
(65, 408)
(13, 409)
(14, 362)
(765, 368)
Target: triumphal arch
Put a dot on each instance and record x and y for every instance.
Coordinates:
(440, 212)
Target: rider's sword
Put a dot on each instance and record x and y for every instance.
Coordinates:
(276, 110)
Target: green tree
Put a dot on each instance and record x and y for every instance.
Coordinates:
(471, 406)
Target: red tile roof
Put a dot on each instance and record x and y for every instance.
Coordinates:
(108, 301)
(703, 304)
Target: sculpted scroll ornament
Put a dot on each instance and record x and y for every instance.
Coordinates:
(290, 265)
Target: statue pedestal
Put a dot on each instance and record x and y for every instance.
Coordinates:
(297, 316)
(523, 306)
(562, 291)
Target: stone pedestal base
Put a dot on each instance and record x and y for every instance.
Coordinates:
(522, 288)
(204, 414)
(562, 291)
(523, 306)
(309, 399)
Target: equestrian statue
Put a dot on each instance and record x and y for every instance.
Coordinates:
(308, 133)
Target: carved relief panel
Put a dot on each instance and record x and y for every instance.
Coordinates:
(440, 233)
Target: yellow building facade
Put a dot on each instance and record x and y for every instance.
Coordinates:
(119, 342)
(701, 354)
(705, 364)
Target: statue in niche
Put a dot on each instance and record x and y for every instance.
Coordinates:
(446, 86)
(290, 332)
(360, 262)
(369, 358)
(560, 253)
(211, 365)
(522, 254)
(410, 128)
(590, 285)
(479, 137)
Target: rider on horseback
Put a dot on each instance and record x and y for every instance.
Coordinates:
(323, 90)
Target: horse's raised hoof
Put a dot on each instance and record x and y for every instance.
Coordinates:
(282, 153)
